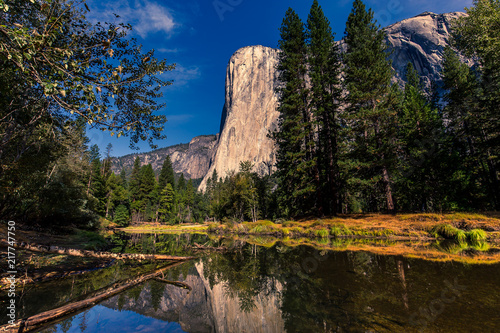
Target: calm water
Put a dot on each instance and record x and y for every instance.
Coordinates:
(283, 289)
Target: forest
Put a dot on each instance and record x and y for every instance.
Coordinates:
(349, 139)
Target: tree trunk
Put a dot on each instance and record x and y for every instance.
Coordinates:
(388, 190)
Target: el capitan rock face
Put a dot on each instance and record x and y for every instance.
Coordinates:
(249, 112)
(250, 108)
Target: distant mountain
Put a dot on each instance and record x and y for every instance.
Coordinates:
(191, 159)
(249, 111)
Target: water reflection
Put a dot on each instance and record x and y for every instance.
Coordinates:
(302, 289)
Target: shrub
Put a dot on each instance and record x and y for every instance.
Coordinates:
(321, 233)
(476, 236)
(242, 229)
(317, 223)
(448, 232)
(228, 222)
(258, 229)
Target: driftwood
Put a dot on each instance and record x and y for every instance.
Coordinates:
(33, 322)
(175, 283)
(95, 254)
(53, 275)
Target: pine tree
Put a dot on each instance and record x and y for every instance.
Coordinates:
(181, 184)
(324, 72)
(123, 177)
(189, 199)
(477, 36)
(465, 121)
(135, 179)
(421, 138)
(166, 174)
(147, 193)
(296, 161)
(167, 198)
(121, 216)
(370, 97)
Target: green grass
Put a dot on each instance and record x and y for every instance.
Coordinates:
(476, 236)
(297, 230)
(446, 231)
(259, 229)
(323, 233)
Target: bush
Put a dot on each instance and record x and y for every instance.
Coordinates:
(323, 233)
(476, 236)
(336, 231)
(446, 231)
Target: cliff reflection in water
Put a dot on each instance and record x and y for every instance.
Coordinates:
(284, 289)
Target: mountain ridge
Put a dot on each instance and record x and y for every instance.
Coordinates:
(250, 111)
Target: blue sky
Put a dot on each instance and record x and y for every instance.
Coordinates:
(201, 35)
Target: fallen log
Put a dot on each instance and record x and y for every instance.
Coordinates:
(175, 283)
(95, 254)
(34, 322)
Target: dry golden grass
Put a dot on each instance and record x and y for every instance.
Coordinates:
(411, 225)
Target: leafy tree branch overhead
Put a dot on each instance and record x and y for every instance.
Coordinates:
(80, 70)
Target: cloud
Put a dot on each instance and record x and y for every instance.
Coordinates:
(165, 50)
(182, 75)
(145, 16)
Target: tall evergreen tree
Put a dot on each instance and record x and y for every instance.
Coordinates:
(166, 174)
(181, 184)
(370, 103)
(465, 121)
(134, 189)
(423, 159)
(167, 198)
(296, 163)
(324, 72)
(477, 35)
(147, 193)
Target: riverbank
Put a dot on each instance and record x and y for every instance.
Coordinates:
(475, 235)
(377, 226)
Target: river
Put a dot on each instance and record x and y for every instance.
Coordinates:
(251, 288)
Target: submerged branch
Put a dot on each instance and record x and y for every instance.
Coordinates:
(175, 283)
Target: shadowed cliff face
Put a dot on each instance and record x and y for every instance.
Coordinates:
(249, 112)
(420, 40)
(192, 159)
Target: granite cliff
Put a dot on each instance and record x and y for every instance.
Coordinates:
(249, 112)
(250, 103)
(192, 159)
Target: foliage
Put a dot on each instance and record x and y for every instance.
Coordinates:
(75, 68)
(325, 98)
(370, 118)
(476, 236)
(295, 161)
(121, 216)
